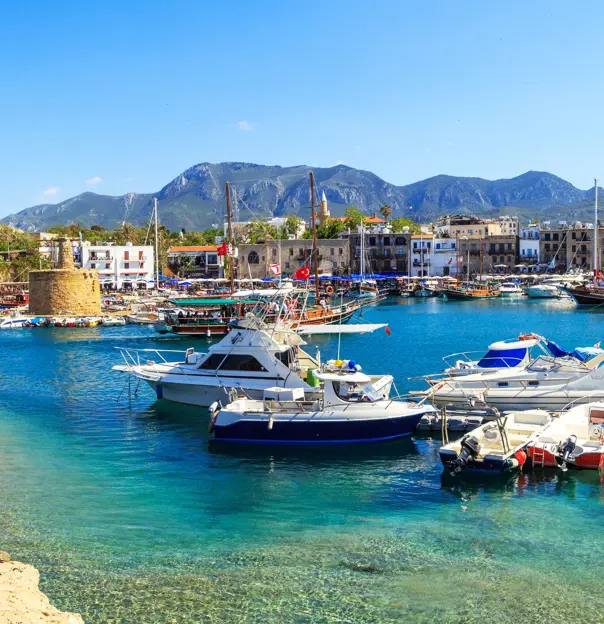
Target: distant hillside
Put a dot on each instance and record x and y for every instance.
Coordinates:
(195, 199)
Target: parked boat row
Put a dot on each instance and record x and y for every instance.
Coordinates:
(23, 322)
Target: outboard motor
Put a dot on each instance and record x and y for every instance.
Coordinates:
(470, 446)
(565, 450)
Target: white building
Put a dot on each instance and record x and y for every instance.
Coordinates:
(433, 256)
(528, 248)
(444, 257)
(120, 266)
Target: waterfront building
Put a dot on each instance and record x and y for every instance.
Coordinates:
(386, 252)
(528, 245)
(256, 260)
(128, 266)
(502, 253)
(553, 249)
(195, 261)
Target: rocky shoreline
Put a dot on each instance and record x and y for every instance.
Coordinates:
(22, 602)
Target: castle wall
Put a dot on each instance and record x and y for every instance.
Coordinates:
(64, 291)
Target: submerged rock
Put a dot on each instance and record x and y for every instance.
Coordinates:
(367, 568)
(21, 601)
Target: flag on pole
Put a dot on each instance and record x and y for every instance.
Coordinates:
(223, 250)
(275, 269)
(450, 260)
(388, 330)
(303, 273)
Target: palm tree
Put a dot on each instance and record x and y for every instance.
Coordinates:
(386, 211)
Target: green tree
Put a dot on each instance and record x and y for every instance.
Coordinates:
(293, 223)
(354, 217)
(330, 229)
(259, 231)
(401, 222)
(386, 211)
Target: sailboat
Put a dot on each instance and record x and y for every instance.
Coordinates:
(364, 287)
(594, 293)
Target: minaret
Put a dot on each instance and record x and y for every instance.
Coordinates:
(65, 256)
(324, 213)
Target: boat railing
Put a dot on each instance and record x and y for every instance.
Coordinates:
(582, 400)
(138, 357)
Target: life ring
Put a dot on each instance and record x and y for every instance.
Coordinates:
(330, 290)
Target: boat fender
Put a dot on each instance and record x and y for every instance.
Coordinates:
(513, 462)
(214, 410)
(520, 457)
(271, 421)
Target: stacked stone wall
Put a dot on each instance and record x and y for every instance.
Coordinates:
(64, 291)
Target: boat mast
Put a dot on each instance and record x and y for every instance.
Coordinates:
(362, 267)
(595, 262)
(315, 251)
(156, 245)
(457, 257)
(480, 243)
(230, 239)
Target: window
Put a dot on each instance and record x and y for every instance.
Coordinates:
(574, 236)
(555, 236)
(332, 251)
(126, 265)
(372, 241)
(509, 246)
(274, 253)
(533, 383)
(212, 258)
(334, 265)
(509, 258)
(437, 245)
(502, 384)
(140, 255)
(546, 246)
(233, 362)
(287, 265)
(108, 255)
(546, 237)
(501, 259)
(574, 248)
(387, 241)
(126, 255)
(291, 251)
(92, 265)
(341, 251)
(252, 257)
(108, 266)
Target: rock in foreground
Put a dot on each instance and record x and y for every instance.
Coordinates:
(21, 601)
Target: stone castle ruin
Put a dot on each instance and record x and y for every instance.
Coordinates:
(64, 290)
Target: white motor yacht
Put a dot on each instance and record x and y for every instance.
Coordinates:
(510, 289)
(251, 358)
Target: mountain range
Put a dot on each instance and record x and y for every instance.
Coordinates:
(195, 199)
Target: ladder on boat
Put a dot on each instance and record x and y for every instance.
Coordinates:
(538, 457)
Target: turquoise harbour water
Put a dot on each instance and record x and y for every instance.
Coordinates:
(132, 515)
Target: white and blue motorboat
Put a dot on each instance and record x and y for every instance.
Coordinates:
(503, 354)
(350, 408)
(15, 321)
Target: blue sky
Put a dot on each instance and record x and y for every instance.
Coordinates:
(123, 96)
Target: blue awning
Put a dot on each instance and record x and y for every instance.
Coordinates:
(496, 358)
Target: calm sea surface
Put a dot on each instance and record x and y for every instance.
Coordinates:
(132, 515)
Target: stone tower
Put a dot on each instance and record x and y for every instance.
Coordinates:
(324, 213)
(65, 290)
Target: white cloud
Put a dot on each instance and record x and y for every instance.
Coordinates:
(338, 162)
(51, 191)
(246, 126)
(93, 182)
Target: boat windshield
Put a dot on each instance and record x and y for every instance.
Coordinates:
(545, 363)
(353, 392)
(496, 358)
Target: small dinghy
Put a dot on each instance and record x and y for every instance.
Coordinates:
(349, 408)
(496, 446)
(576, 438)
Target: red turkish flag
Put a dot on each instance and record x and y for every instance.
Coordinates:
(222, 250)
(303, 273)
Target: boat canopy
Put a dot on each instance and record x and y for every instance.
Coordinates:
(209, 302)
(507, 353)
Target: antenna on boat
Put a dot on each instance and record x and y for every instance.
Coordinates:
(315, 251)
(595, 263)
(156, 245)
(229, 254)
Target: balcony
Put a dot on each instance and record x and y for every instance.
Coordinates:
(102, 258)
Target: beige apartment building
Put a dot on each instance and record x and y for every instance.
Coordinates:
(255, 260)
